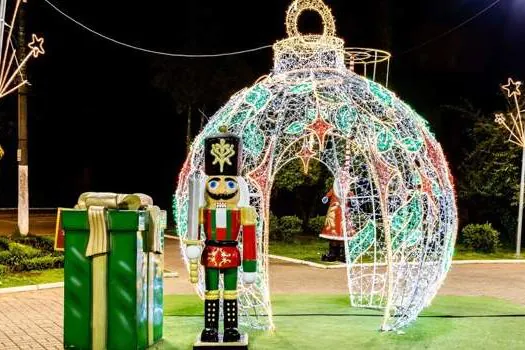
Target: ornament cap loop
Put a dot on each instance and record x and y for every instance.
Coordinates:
(299, 6)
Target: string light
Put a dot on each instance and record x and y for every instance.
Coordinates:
(400, 211)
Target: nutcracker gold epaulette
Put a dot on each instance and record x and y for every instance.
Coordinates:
(248, 216)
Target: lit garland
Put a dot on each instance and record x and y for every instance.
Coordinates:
(400, 211)
(10, 68)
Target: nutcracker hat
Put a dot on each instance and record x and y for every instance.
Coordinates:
(222, 154)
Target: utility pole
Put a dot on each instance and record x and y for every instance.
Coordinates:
(23, 182)
(514, 122)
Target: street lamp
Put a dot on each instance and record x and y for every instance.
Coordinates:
(512, 121)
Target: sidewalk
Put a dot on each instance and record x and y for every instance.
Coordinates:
(31, 320)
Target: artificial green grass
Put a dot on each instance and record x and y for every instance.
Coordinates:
(309, 249)
(16, 279)
(312, 248)
(326, 322)
(502, 253)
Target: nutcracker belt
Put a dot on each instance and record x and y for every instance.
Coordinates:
(223, 257)
(214, 243)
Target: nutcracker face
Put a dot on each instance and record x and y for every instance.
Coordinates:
(222, 190)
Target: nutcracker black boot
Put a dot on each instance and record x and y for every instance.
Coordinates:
(210, 334)
(332, 253)
(341, 256)
(231, 333)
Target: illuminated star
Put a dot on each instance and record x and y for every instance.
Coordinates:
(306, 155)
(261, 174)
(37, 46)
(383, 171)
(426, 184)
(512, 88)
(320, 128)
(1, 152)
(499, 118)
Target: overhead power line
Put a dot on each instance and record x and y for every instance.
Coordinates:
(467, 21)
(161, 53)
(172, 54)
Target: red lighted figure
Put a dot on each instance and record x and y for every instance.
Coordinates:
(333, 226)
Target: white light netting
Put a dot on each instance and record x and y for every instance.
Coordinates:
(400, 208)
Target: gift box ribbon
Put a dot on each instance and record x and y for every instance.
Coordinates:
(98, 247)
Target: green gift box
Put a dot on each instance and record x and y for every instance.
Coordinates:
(113, 277)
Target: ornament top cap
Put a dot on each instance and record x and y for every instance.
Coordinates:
(299, 6)
(309, 51)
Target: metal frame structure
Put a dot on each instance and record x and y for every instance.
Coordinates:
(400, 219)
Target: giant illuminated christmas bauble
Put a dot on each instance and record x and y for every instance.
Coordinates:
(400, 208)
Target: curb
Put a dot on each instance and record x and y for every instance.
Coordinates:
(501, 261)
(31, 288)
(342, 266)
(308, 263)
(36, 287)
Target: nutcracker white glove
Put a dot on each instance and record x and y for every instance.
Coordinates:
(193, 251)
(249, 277)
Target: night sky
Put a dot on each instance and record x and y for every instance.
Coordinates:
(98, 123)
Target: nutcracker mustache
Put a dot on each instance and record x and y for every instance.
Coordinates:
(221, 196)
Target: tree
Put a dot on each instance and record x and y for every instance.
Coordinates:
(295, 193)
(488, 177)
(198, 87)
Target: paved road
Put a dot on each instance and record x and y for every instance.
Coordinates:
(33, 320)
(39, 224)
(505, 281)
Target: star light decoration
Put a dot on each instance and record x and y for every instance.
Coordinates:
(320, 128)
(306, 154)
(37, 46)
(400, 214)
(513, 121)
(512, 88)
(11, 69)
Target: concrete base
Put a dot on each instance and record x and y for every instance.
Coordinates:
(242, 344)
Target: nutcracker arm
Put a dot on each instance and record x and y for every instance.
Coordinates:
(249, 240)
(193, 252)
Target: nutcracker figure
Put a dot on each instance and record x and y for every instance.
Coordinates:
(220, 217)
